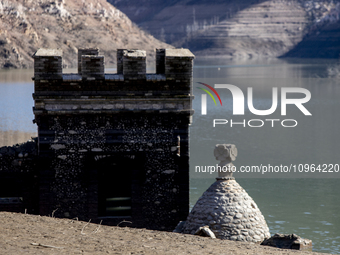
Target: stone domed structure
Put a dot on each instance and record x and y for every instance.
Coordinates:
(227, 208)
(229, 212)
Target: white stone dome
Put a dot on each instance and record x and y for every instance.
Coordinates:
(229, 212)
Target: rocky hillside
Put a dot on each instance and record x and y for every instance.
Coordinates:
(322, 39)
(26, 25)
(245, 28)
(172, 20)
(270, 28)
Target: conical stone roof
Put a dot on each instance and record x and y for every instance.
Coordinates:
(229, 212)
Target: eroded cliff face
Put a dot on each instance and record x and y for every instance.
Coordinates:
(249, 28)
(26, 25)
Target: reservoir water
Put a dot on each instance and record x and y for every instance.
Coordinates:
(305, 201)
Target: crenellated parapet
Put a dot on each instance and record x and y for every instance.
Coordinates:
(130, 89)
(82, 52)
(172, 63)
(48, 64)
(133, 63)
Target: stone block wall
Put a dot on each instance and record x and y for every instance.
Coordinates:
(19, 178)
(82, 52)
(48, 64)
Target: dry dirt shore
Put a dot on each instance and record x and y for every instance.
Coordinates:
(33, 234)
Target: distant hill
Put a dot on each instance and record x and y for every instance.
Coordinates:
(26, 25)
(241, 29)
(322, 39)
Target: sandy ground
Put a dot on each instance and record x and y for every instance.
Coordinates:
(33, 234)
(12, 137)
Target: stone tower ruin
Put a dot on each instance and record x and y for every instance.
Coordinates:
(114, 146)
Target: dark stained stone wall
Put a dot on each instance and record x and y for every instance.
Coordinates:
(113, 147)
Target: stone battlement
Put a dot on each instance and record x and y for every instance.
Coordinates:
(171, 64)
(130, 89)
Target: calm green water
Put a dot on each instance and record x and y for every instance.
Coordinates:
(306, 207)
(306, 204)
(315, 139)
(16, 102)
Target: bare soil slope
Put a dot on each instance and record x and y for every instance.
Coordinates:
(32, 234)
